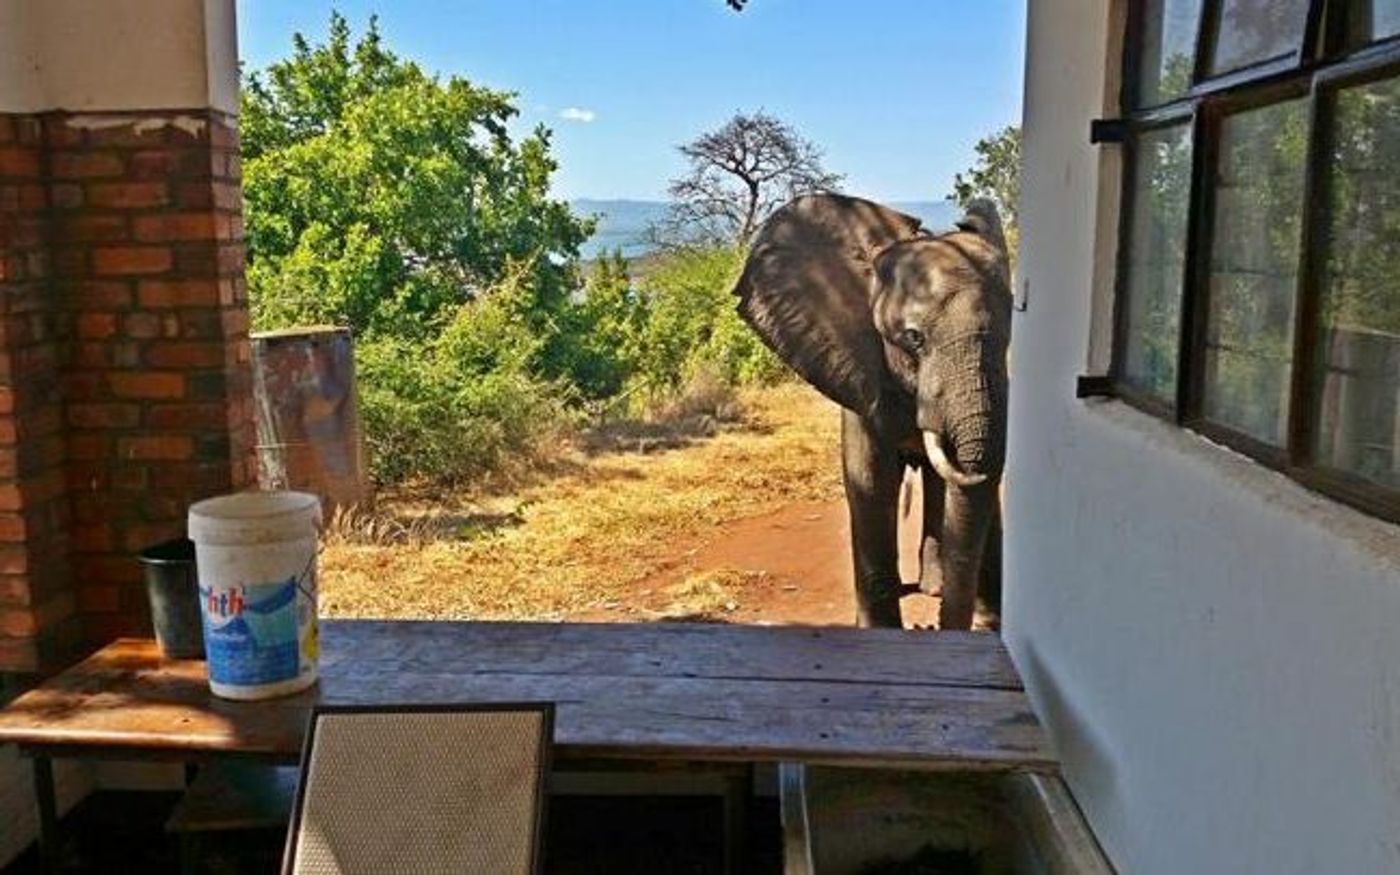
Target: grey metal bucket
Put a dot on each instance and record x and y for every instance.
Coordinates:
(173, 592)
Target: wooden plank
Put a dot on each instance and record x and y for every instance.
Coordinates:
(749, 720)
(864, 656)
(126, 698)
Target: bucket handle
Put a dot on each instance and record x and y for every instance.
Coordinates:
(305, 575)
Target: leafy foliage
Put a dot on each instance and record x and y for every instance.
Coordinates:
(692, 331)
(466, 403)
(997, 176)
(672, 328)
(379, 197)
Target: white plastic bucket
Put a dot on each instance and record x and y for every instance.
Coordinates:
(255, 554)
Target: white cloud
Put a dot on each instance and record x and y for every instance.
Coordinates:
(577, 114)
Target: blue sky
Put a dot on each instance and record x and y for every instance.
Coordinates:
(895, 91)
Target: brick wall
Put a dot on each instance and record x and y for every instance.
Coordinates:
(38, 622)
(125, 335)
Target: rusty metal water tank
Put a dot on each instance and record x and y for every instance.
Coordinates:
(308, 423)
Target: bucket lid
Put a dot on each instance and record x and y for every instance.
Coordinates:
(255, 518)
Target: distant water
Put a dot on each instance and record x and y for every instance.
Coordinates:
(622, 223)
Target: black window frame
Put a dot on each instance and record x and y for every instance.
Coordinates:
(1321, 67)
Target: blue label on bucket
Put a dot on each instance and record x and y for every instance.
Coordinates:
(250, 633)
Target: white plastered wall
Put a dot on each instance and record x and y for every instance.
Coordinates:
(1214, 648)
(95, 56)
(105, 55)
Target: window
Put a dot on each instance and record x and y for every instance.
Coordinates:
(1168, 31)
(1358, 331)
(1161, 196)
(1253, 274)
(1259, 263)
(1248, 32)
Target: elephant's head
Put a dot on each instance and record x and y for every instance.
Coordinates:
(862, 302)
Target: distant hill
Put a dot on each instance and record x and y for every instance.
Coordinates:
(622, 223)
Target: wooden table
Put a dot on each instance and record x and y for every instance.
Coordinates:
(672, 693)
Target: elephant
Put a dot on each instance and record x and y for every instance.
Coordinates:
(908, 332)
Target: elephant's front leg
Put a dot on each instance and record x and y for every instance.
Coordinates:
(989, 587)
(872, 473)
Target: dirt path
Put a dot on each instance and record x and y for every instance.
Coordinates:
(790, 566)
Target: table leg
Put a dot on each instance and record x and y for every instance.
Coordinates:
(189, 853)
(736, 821)
(48, 813)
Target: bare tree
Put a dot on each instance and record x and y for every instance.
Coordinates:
(738, 176)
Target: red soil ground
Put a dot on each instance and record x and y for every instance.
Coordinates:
(792, 566)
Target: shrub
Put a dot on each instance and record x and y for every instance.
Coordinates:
(692, 330)
(463, 405)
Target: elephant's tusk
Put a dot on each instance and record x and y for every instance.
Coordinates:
(945, 467)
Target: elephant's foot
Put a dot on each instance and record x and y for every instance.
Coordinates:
(877, 606)
(956, 607)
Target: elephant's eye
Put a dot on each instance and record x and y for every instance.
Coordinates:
(911, 339)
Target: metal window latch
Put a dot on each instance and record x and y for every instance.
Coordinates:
(1097, 386)
(1108, 130)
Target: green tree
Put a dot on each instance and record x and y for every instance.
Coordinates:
(380, 197)
(995, 175)
(397, 203)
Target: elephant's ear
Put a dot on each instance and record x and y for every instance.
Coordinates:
(806, 290)
(981, 218)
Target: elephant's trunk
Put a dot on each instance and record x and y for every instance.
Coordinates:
(950, 472)
(967, 519)
(963, 393)
(973, 375)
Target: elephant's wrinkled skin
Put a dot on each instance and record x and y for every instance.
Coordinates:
(908, 332)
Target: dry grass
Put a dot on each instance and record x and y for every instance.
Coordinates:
(573, 542)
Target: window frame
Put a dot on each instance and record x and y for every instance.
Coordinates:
(1316, 72)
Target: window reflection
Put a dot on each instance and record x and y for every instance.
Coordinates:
(1168, 49)
(1254, 269)
(1371, 20)
(1252, 31)
(1358, 420)
(1157, 252)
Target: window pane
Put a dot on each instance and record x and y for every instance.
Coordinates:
(1168, 49)
(1254, 269)
(1156, 260)
(1358, 379)
(1250, 31)
(1371, 20)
